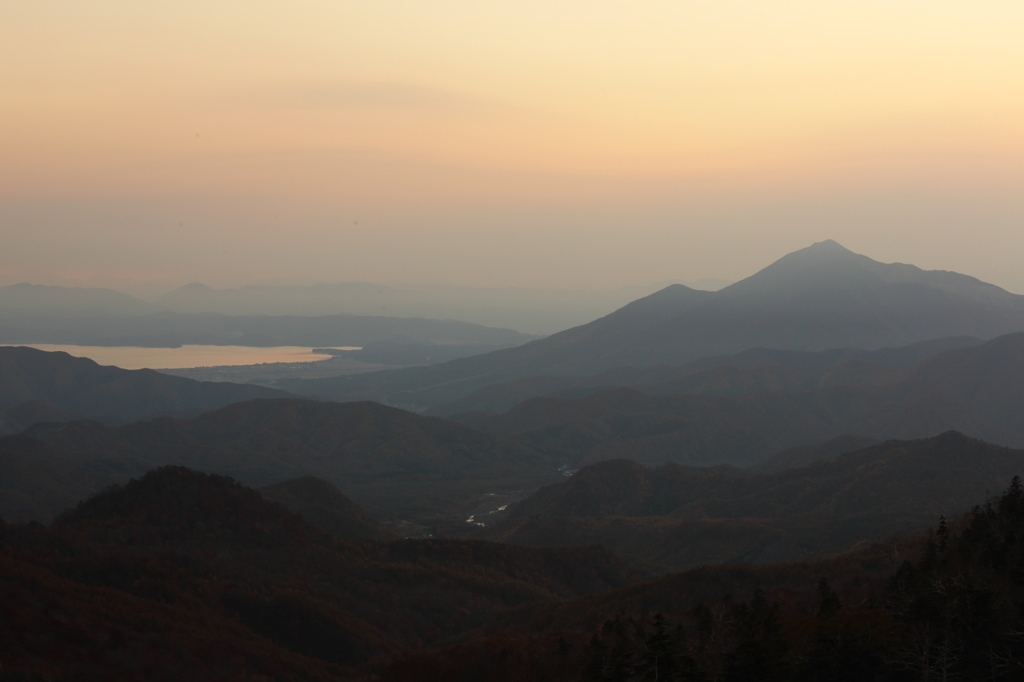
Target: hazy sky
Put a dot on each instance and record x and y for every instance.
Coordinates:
(556, 143)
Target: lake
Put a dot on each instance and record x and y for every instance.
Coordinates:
(131, 357)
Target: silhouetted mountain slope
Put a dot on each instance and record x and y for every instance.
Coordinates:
(53, 627)
(988, 379)
(795, 621)
(749, 370)
(17, 418)
(855, 573)
(976, 390)
(394, 463)
(825, 296)
(439, 384)
(818, 298)
(624, 423)
(250, 581)
(679, 516)
(942, 606)
(82, 387)
(324, 506)
(944, 473)
(808, 454)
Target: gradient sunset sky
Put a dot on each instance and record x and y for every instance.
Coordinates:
(550, 144)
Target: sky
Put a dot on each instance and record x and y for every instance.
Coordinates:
(544, 144)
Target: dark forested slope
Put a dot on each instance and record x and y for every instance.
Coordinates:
(755, 369)
(17, 418)
(978, 390)
(679, 516)
(83, 387)
(395, 463)
(940, 607)
(327, 508)
(183, 575)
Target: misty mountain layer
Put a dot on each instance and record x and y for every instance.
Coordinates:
(396, 464)
(728, 416)
(171, 330)
(814, 299)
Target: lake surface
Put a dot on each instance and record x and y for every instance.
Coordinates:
(131, 357)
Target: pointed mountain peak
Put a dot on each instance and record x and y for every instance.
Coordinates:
(828, 244)
(826, 263)
(195, 286)
(672, 300)
(828, 249)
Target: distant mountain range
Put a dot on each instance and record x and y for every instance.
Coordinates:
(727, 415)
(35, 314)
(755, 369)
(822, 297)
(40, 386)
(532, 311)
(396, 464)
(428, 470)
(678, 517)
(171, 330)
(36, 300)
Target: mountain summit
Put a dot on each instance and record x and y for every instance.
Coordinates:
(830, 266)
(818, 298)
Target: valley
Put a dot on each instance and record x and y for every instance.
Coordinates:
(680, 466)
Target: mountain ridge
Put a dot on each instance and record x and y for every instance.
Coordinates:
(393, 463)
(814, 299)
(85, 388)
(976, 389)
(787, 370)
(678, 517)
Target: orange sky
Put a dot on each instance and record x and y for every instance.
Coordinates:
(141, 134)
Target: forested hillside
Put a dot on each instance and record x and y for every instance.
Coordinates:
(187, 576)
(675, 517)
(184, 575)
(977, 390)
(396, 464)
(941, 607)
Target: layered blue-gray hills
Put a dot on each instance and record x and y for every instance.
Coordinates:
(808, 474)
